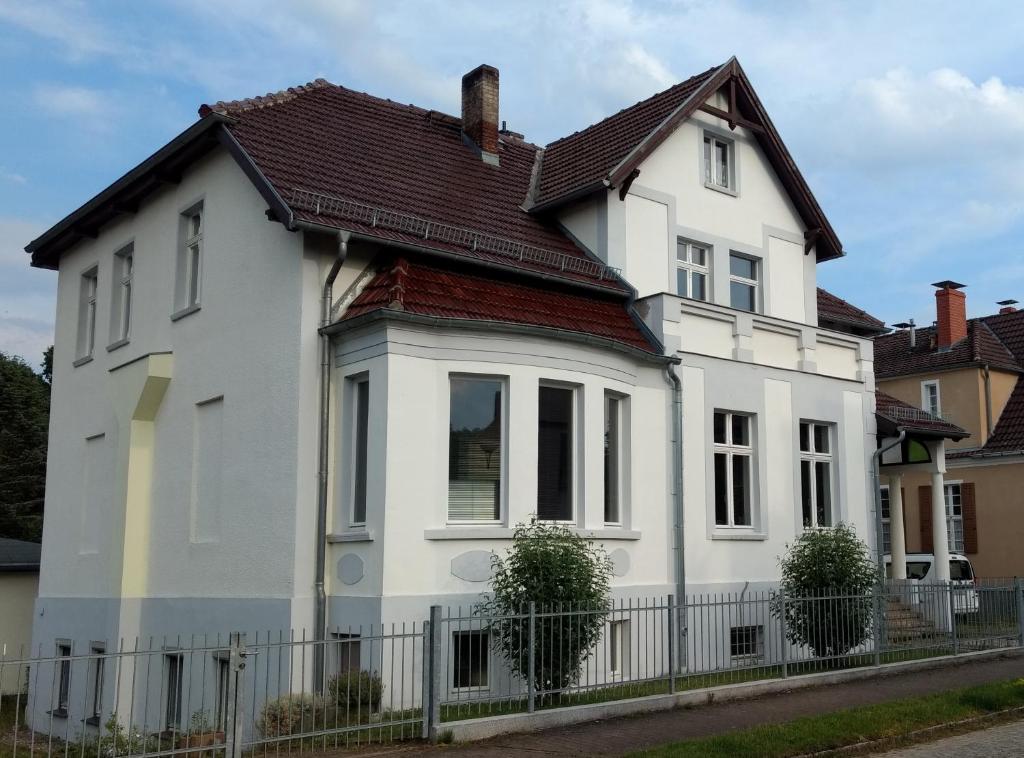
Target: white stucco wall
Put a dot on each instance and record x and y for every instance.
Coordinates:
(17, 599)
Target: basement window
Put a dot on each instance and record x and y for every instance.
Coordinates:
(746, 644)
(470, 650)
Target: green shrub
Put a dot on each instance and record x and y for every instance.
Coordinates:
(827, 578)
(289, 714)
(557, 570)
(356, 689)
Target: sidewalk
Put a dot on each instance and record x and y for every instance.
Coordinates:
(620, 736)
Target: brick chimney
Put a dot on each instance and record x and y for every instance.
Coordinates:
(1007, 306)
(480, 110)
(951, 311)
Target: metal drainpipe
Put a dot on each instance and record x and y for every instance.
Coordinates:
(677, 507)
(988, 401)
(876, 460)
(320, 621)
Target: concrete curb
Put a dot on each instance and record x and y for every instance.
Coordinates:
(471, 730)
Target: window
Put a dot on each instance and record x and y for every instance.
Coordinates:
(222, 661)
(121, 309)
(743, 287)
(555, 451)
(734, 459)
(63, 680)
(718, 162)
(348, 652)
(816, 474)
(470, 650)
(618, 647)
(954, 517)
(614, 428)
(98, 661)
(930, 398)
(692, 262)
(360, 432)
(175, 666)
(190, 261)
(87, 314)
(476, 442)
(886, 521)
(746, 643)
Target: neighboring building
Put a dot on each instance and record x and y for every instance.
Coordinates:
(19, 585)
(503, 332)
(967, 372)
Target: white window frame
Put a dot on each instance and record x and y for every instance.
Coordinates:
(814, 456)
(575, 465)
(755, 283)
(710, 171)
(188, 288)
(485, 655)
(731, 451)
(622, 457)
(354, 383)
(951, 490)
(87, 305)
(222, 688)
(175, 663)
(757, 655)
(503, 489)
(121, 300)
(926, 386)
(685, 263)
(886, 520)
(64, 652)
(618, 648)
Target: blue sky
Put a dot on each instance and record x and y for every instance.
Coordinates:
(906, 118)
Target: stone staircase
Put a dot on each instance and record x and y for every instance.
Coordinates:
(907, 626)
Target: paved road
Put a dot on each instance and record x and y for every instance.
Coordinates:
(1005, 740)
(623, 735)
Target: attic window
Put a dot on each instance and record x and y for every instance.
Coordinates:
(719, 163)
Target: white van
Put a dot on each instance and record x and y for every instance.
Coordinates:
(961, 575)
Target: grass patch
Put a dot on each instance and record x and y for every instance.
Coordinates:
(848, 727)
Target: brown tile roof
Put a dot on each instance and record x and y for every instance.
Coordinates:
(450, 291)
(397, 172)
(894, 356)
(900, 414)
(834, 309)
(588, 156)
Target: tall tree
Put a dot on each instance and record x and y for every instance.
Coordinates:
(24, 424)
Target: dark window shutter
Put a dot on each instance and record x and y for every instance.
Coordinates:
(924, 498)
(970, 513)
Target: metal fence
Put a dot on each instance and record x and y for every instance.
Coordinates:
(232, 695)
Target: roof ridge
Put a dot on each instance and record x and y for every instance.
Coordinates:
(226, 107)
(638, 103)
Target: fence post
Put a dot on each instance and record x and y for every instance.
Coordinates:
(236, 691)
(1019, 592)
(672, 643)
(432, 674)
(531, 686)
(879, 621)
(783, 631)
(952, 618)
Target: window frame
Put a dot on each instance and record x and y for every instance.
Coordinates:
(222, 688)
(618, 643)
(813, 456)
(575, 449)
(88, 305)
(709, 165)
(503, 457)
(175, 670)
(354, 385)
(886, 519)
(731, 450)
(754, 283)
(621, 458)
(952, 518)
(692, 269)
(485, 657)
(121, 296)
(188, 287)
(96, 690)
(926, 385)
(65, 651)
(755, 639)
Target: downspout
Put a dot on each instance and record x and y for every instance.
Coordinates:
(320, 620)
(876, 462)
(678, 551)
(988, 401)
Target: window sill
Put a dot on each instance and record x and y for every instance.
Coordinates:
(724, 190)
(362, 535)
(82, 361)
(504, 533)
(738, 535)
(58, 713)
(178, 315)
(115, 345)
(92, 721)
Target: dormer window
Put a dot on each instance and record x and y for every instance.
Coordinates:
(719, 163)
(691, 270)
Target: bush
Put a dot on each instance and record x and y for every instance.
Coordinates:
(558, 570)
(827, 578)
(356, 689)
(290, 714)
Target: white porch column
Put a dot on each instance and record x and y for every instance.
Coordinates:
(940, 538)
(897, 539)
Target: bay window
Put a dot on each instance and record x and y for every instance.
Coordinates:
(476, 448)
(555, 453)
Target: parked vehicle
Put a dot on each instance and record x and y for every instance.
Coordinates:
(961, 576)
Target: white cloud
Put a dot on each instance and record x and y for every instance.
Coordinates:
(25, 338)
(27, 295)
(67, 23)
(11, 176)
(69, 101)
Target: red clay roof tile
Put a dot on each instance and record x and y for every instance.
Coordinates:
(833, 308)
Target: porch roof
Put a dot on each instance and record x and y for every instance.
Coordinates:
(893, 415)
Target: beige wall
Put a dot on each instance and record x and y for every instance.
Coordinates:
(961, 395)
(999, 499)
(18, 592)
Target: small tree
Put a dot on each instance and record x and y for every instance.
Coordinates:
(561, 573)
(827, 577)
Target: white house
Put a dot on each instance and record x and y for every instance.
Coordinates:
(320, 353)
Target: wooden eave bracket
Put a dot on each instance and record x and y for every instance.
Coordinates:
(811, 237)
(627, 183)
(732, 116)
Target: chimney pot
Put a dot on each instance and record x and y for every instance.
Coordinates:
(951, 312)
(480, 110)
(1008, 306)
